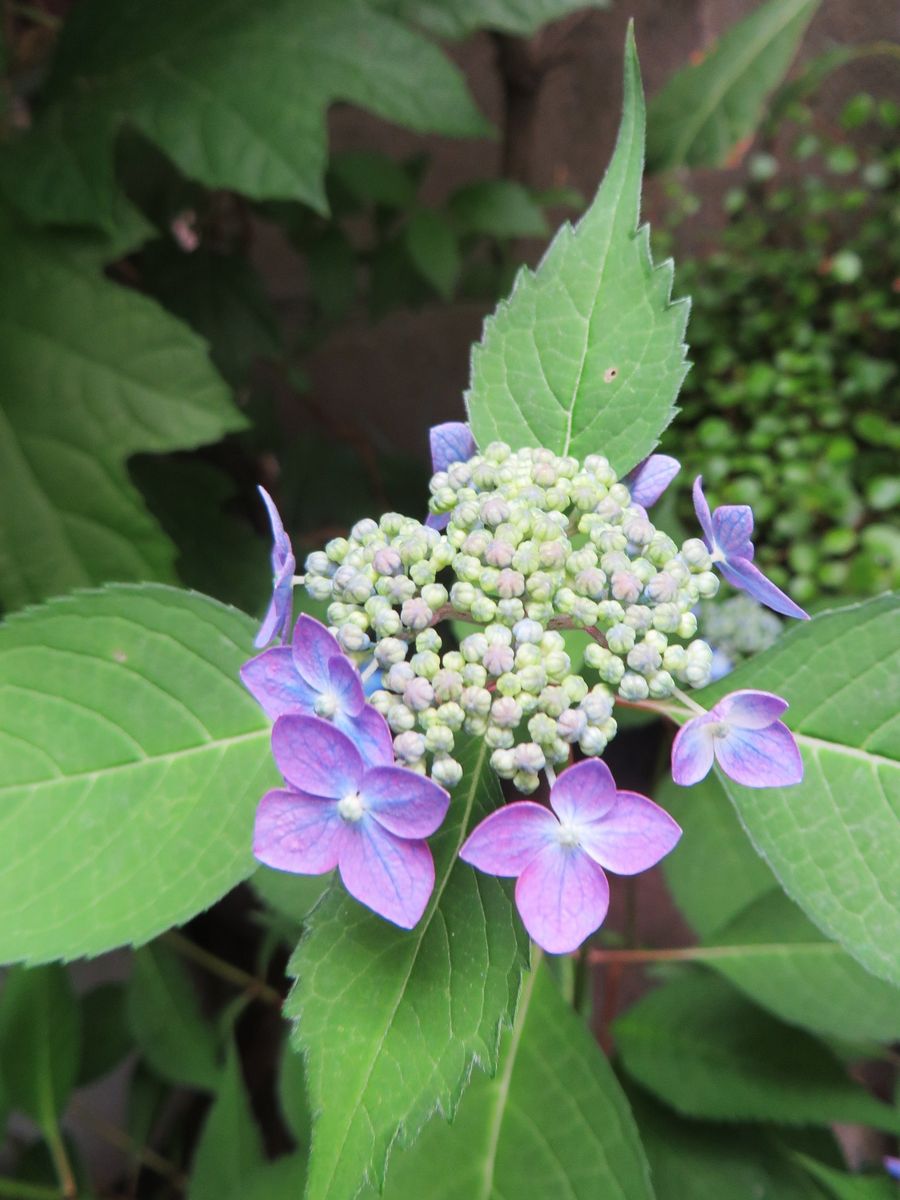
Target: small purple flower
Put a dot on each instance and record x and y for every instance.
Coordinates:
(278, 616)
(743, 734)
(315, 677)
(367, 818)
(727, 535)
(562, 892)
(892, 1166)
(650, 478)
(451, 442)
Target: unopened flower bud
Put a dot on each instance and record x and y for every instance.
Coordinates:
(620, 638)
(415, 614)
(439, 739)
(633, 686)
(400, 718)
(499, 739)
(526, 782)
(571, 724)
(418, 694)
(503, 763)
(353, 639)
(498, 658)
(409, 747)
(506, 713)
(386, 561)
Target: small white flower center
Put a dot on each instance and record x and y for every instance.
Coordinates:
(719, 729)
(716, 555)
(351, 807)
(568, 835)
(326, 704)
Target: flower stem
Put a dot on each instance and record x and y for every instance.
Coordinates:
(55, 1144)
(225, 970)
(123, 1141)
(550, 773)
(689, 703)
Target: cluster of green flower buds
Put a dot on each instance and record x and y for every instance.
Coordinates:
(534, 544)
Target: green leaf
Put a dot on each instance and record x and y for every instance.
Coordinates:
(552, 1122)
(705, 112)
(459, 18)
(229, 1151)
(133, 761)
(841, 1186)
(291, 895)
(92, 373)
(434, 250)
(714, 871)
(234, 93)
(699, 1161)
(702, 1048)
(587, 354)
(105, 1038)
(390, 1021)
(778, 958)
(293, 1099)
(373, 178)
(832, 839)
(283, 1179)
(164, 1015)
(40, 1041)
(498, 208)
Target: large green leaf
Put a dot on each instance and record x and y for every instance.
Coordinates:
(459, 18)
(132, 764)
(233, 91)
(840, 1186)
(40, 1041)
(390, 1022)
(714, 871)
(775, 955)
(696, 1160)
(701, 1047)
(552, 1122)
(92, 373)
(832, 840)
(229, 1152)
(587, 354)
(706, 110)
(164, 1015)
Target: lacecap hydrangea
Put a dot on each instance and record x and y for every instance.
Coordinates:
(455, 628)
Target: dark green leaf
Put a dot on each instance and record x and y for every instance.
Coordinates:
(283, 1179)
(499, 208)
(291, 895)
(706, 110)
(433, 247)
(293, 1098)
(92, 374)
(133, 762)
(166, 1021)
(40, 1041)
(587, 355)
(389, 1021)
(459, 18)
(374, 178)
(702, 1048)
(105, 1038)
(230, 1148)
(840, 1186)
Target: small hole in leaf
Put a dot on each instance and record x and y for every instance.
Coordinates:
(609, 374)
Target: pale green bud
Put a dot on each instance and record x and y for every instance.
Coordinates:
(609, 612)
(687, 626)
(675, 659)
(506, 713)
(620, 638)
(540, 610)
(503, 763)
(667, 617)
(389, 651)
(707, 584)
(528, 655)
(498, 635)
(387, 623)
(418, 695)
(696, 555)
(476, 701)
(597, 706)
(584, 612)
(554, 701)
(509, 684)
(476, 726)
(644, 659)
(639, 617)
(499, 739)
(570, 725)
(453, 661)
(422, 574)
(526, 782)
(428, 639)
(633, 686)
(661, 685)
(381, 701)
(337, 549)
(565, 600)
(400, 718)
(435, 595)
(353, 639)
(474, 675)
(575, 688)
(661, 549)
(448, 685)
(318, 588)
(540, 586)
(483, 609)
(446, 771)
(593, 741)
(462, 596)
(529, 757)
(451, 715)
(510, 611)
(425, 663)
(439, 739)
(542, 728)
(409, 747)
(473, 647)
(557, 664)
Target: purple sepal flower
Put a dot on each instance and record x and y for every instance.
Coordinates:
(451, 442)
(313, 676)
(277, 620)
(727, 534)
(368, 819)
(650, 478)
(743, 734)
(559, 857)
(892, 1166)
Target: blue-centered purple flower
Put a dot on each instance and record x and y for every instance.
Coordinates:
(277, 620)
(892, 1166)
(744, 735)
(313, 676)
(650, 478)
(727, 533)
(363, 815)
(451, 442)
(559, 856)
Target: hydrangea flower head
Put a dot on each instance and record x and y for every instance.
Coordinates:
(368, 818)
(744, 735)
(277, 620)
(559, 857)
(727, 534)
(313, 676)
(449, 443)
(650, 478)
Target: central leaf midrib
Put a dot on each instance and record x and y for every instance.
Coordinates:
(401, 990)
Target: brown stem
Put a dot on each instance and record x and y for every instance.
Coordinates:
(123, 1141)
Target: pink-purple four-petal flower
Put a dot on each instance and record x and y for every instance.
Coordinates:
(315, 677)
(559, 857)
(363, 815)
(744, 735)
(727, 533)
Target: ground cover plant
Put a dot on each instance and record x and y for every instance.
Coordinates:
(355, 855)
